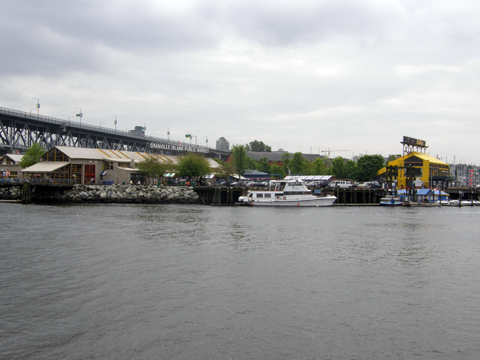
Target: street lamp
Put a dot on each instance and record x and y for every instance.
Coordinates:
(168, 133)
(37, 106)
(206, 141)
(80, 115)
(115, 122)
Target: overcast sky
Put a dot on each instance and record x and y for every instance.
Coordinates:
(304, 76)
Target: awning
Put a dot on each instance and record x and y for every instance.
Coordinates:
(103, 173)
(45, 167)
(169, 175)
(129, 169)
(239, 177)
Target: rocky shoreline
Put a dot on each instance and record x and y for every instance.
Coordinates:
(155, 194)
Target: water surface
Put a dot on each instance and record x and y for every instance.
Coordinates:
(202, 282)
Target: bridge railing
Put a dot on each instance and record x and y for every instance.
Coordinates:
(101, 129)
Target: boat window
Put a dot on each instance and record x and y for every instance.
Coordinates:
(268, 195)
(296, 193)
(259, 195)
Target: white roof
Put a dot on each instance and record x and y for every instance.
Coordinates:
(213, 164)
(45, 167)
(15, 157)
(81, 153)
(121, 155)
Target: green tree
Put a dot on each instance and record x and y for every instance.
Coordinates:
(368, 166)
(263, 165)
(152, 167)
(32, 156)
(339, 168)
(193, 166)
(286, 159)
(250, 163)
(350, 170)
(296, 165)
(239, 153)
(258, 146)
(276, 169)
(318, 166)
(226, 169)
(307, 167)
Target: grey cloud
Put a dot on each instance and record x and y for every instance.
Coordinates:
(76, 35)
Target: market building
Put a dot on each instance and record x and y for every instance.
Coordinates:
(428, 170)
(9, 166)
(94, 166)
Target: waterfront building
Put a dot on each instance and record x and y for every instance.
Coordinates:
(94, 166)
(428, 170)
(9, 167)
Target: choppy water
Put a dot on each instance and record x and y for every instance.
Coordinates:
(202, 282)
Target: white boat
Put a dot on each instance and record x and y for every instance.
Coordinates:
(390, 200)
(470, 202)
(286, 193)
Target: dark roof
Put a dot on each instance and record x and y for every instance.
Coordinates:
(254, 174)
(276, 156)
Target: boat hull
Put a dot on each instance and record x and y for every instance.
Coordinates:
(286, 193)
(390, 201)
(323, 201)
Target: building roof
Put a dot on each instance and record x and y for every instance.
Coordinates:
(121, 155)
(45, 166)
(81, 153)
(252, 174)
(277, 156)
(423, 191)
(426, 157)
(15, 157)
(401, 160)
(310, 177)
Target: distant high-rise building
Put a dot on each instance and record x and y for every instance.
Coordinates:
(139, 130)
(222, 144)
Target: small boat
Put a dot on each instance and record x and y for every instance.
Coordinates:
(390, 200)
(470, 202)
(286, 193)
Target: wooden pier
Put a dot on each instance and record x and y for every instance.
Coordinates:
(224, 195)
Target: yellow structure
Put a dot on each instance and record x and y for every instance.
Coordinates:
(427, 168)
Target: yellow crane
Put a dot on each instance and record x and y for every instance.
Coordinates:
(329, 151)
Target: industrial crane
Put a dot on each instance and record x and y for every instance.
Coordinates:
(329, 151)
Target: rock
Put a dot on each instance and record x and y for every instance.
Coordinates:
(83, 195)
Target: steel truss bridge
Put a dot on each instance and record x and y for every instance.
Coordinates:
(20, 130)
